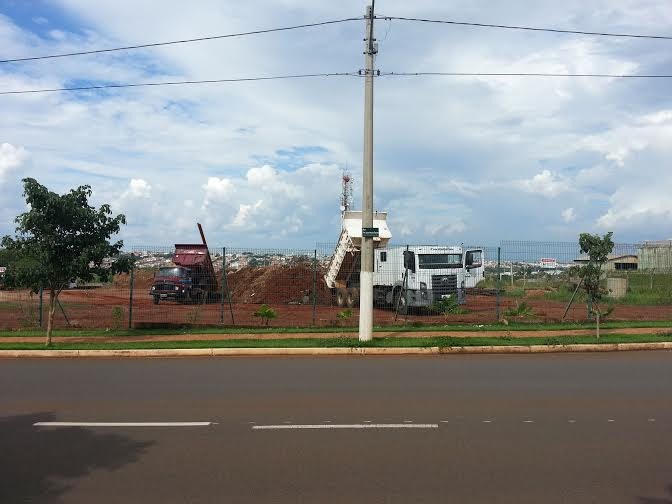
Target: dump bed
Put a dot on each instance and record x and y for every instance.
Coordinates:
(195, 256)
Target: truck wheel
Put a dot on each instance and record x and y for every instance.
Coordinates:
(352, 299)
(156, 299)
(341, 296)
(400, 301)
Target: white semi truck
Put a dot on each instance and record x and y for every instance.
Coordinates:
(417, 276)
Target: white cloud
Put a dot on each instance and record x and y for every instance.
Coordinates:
(546, 183)
(568, 215)
(216, 189)
(245, 214)
(11, 158)
(138, 188)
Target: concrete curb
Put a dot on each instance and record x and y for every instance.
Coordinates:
(232, 352)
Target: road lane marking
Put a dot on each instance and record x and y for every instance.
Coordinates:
(346, 426)
(571, 421)
(444, 421)
(611, 420)
(123, 424)
(528, 421)
(652, 419)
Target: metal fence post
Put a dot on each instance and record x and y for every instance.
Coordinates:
(41, 304)
(498, 279)
(314, 283)
(130, 296)
(226, 282)
(221, 293)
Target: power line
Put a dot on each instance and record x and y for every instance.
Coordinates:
(178, 83)
(184, 41)
(527, 28)
(523, 74)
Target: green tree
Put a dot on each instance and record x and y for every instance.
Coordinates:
(598, 249)
(62, 238)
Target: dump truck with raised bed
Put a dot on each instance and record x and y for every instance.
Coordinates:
(403, 277)
(192, 279)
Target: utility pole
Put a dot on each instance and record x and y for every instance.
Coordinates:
(366, 272)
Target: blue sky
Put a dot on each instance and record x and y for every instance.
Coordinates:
(469, 159)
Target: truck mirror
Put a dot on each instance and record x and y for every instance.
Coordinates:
(409, 260)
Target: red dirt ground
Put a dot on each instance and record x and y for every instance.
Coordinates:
(94, 309)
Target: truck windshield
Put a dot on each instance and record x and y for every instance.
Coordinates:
(439, 261)
(172, 272)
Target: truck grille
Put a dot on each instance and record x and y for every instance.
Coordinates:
(443, 285)
(164, 287)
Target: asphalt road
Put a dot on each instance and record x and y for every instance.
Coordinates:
(492, 428)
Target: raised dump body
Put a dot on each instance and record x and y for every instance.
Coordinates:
(193, 277)
(345, 260)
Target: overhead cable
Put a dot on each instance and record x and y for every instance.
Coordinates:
(183, 41)
(526, 74)
(527, 28)
(176, 83)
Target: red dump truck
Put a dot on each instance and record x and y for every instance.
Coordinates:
(192, 279)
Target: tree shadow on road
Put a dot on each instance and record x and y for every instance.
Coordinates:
(657, 500)
(35, 461)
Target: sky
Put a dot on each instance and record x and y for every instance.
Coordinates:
(259, 164)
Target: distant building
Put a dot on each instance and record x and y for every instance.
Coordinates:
(615, 262)
(548, 263)
(656, 255)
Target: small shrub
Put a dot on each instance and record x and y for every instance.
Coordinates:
(29, 315)
(266, 313)
(448, 306)
(344, 315)
(522, 310)
(117, 317)
(194, 315)
(552, 341)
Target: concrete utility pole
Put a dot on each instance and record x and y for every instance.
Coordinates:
(366, 272)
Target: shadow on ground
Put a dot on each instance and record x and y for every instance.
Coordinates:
(36, 462)
(654, 500)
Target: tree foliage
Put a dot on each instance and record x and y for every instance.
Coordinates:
(61, 238)
(598, 249)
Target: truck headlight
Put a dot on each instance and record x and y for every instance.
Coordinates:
(153, 287)
(423, 286)
(177, 288)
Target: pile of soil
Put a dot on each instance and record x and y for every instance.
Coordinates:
(278, 284)
(143, 279)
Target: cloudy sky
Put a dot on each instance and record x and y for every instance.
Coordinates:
(457, 159)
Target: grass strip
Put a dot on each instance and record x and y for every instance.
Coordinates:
(440, 341)
(513, 326)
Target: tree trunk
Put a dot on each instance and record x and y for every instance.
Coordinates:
(50, 318)
(597, 317)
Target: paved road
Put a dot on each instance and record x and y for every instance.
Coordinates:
(508, 428)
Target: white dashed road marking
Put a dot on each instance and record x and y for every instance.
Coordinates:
(123, 424)
(346, 426)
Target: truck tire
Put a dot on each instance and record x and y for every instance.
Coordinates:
(156, 299)
(341, 297)
(400, 302)
(352, 299)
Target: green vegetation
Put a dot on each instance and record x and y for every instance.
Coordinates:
(522, 310)
(598, 250)
(59, 239)
(117, 317)
(266, 313)
(413, 327)
(448, 306)
(441, 341)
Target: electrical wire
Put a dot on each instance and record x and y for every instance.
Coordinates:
(177, 83)
(523, 74)
(526, 28)
(184, 41)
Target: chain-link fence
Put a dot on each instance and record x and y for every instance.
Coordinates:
(413, 284)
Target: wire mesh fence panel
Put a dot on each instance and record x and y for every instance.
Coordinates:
(19, 309)
(269, 287)
(541, 281)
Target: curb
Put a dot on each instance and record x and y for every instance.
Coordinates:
(260, 352)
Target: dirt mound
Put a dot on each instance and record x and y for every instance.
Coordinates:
(143, 279)
(277, 284)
